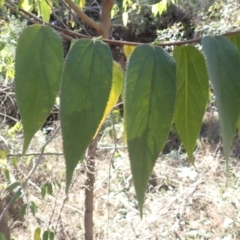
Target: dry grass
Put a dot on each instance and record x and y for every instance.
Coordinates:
(182, 202)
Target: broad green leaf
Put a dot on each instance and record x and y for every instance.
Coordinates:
(192, 95)
(223, 64)
(150, 88)
(117, 82)
(127, 49)
(235, 39)
(37, 234)
(44, 9)
(85, 90)
(39, 61)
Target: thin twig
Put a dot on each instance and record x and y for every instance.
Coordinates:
(83, 16)
(30, 174)
(72, 34)
(110, 165)
(35, 154)
(75, 18)
(41, 154)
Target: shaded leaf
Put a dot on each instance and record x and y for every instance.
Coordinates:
(192, 95)
(85, 90)
(223, 64)
(39, 61)
(150, 88)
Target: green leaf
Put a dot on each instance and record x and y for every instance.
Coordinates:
(127, 49)
(6, 173)
(192, 95)
(17, 195)
(44, 10)
(2, 236)
(43, 190)
(23, 210)
(238, 126)
(39, 61)
(2, 46)
(33, 208)
(150, 88)
(37, 234)
(45, 235)
(49, 189)
(12, 186)
(26, 5)
(85, 89)
(235, 39)
(51, 235)
(117, 82)
(223, 64)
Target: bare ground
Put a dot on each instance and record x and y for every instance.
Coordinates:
(182, 201)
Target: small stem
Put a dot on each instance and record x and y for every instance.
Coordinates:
(88, 216)
(83, 16)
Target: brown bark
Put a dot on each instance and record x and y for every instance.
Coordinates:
(83, 16)
(88, 216)
(105, 18)
(4, 223)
